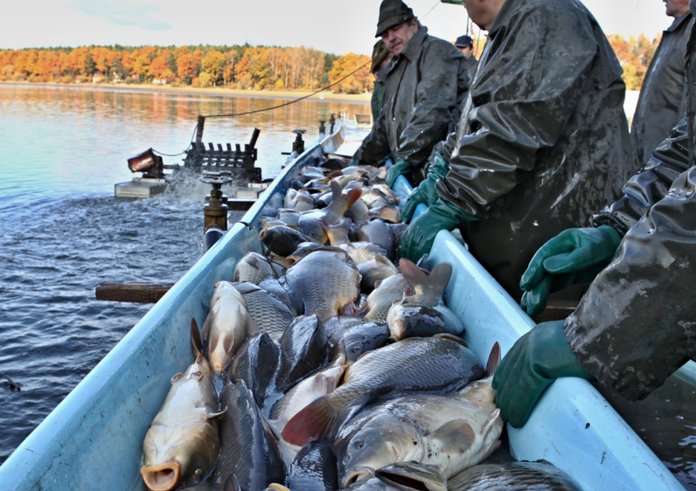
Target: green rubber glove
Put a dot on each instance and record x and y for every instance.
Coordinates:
(400, 168)
(532, 364)
(419, 236)
(425, 192)
(575, 255)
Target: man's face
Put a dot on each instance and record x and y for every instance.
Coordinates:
(483, 12)
(467, 51)
(676, 8)
(398, 36)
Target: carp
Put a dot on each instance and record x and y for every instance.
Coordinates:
(437, 364)
(182, 442)
(226, 326)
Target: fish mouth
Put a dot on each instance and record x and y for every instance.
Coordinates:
(358, 474)
(162, 477)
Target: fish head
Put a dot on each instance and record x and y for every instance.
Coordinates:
(408, 320)
(162, 477)
(376, 445)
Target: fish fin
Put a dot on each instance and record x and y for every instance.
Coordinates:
(317, 421)
(413, 274)
(231, 484)
(207, 324)
(176, 377)
(196, 339)
(352, 196)
(493, 359)
(492, 420)
(228, 345)
(350, 309)
(218, 414)
(336, 189)
(439, 278)
(451, 337)
(456, 436)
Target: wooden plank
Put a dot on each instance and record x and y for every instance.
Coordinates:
(132, 292)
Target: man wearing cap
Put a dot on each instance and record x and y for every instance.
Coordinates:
(465, 44)
(662, 97)
(542, 142)
(424, 87)
(378, 67)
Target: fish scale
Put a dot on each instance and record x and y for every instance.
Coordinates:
(437, 364)
(322, 283)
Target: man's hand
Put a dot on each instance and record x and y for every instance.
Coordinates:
(575, 255)
(532, 364)
(420, 234)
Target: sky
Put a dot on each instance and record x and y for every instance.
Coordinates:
(333, 26)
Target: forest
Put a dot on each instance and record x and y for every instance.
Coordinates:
(236, 67)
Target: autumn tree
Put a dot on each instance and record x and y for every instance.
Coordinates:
(634, 55)
(361, 78)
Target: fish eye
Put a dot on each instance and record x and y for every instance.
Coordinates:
(358, 444)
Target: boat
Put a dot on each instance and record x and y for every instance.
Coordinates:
(93, 438)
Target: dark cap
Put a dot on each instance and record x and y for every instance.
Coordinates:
(392, 13)
(464, 41)
(379, 54)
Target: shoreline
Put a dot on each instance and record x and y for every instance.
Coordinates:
(324, 96)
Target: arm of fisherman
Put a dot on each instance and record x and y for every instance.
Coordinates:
(375, 146)
(651, 183)
(636, 323)
(524, 96)
(436, 101)
(576, 255)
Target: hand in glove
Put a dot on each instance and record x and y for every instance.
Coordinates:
(575, 255)
(420, 234)
(425, 192)
(400, 168)
(532, 364)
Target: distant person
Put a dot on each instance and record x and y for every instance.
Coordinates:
(424, 86)
(380, 62)
(542, 142)
(465, 44)
(662, 97)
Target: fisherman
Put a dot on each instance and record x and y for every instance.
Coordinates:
(465, 44)
(380, 61)
(542, 143)
(635, 324)
(662, 99)
(424, 86)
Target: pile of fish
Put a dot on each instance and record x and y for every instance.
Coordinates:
(323, 365)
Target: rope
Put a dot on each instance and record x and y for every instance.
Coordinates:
(231, 115)
(289, 102)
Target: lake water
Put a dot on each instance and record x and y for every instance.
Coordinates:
(63, 234)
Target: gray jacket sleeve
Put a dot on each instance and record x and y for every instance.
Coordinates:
(637, 322)
(442, 79)
(521, 102)
(650, 184)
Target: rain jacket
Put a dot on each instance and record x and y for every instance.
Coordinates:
(637, 322)
(662, 101)
(423, 92)
(543, 141)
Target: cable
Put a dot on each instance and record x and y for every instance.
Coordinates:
(289, 102)
(230, 115)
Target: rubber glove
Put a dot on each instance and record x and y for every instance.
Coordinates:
(532, 364)
(400, 168)
(419, 236)
(575, 255)
(425, 192)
